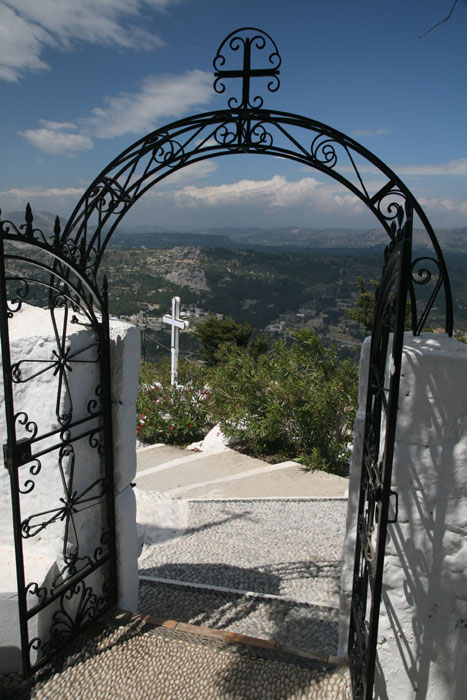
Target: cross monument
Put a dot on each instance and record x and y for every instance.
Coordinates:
(177, 324)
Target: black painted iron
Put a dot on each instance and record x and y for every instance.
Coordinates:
(83, 581)
(387, 341)
(245, 126)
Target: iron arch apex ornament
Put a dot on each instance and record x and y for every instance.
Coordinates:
(249, 39)
(67, 266)
(249, 54)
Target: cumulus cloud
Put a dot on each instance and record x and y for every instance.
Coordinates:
(58, 138)
(443, 205)
(276, 192)
(194, 171)
(159, 97)
(27, 27)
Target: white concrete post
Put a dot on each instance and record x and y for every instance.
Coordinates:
(177, 325)
(32, 336)
(422, 636)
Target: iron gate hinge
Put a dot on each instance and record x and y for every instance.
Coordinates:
(396, 506)
(17, 454)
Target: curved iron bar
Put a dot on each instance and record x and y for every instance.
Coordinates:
(244, 128)
(226, 132)
(77, 296)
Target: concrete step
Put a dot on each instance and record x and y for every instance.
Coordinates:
(229, 474)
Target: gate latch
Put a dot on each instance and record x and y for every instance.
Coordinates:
(17, 454)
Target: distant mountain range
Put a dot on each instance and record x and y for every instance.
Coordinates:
(287, 238)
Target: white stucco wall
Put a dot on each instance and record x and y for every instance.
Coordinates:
(31, 337)
(422, 640)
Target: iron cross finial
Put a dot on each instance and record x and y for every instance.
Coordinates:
(252, 40)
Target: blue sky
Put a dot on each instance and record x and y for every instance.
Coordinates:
(81, 80)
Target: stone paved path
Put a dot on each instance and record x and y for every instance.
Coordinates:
(266, 567)
(131, 659)
(168, 659)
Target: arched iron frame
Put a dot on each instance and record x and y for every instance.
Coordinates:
(246, 127)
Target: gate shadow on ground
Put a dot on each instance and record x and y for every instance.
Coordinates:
(284, 621)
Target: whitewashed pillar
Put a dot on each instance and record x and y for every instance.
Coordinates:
(422, 639)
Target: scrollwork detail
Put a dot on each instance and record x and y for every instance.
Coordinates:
(260, 136)
(168, 152)
(226, 134)
(29, 484)
(423, 275)
(323, 151)
(39, 591)
(20, 294)
(253, 41)
(30, 426)
(391, 209)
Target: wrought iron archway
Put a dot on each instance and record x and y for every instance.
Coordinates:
(246, 127)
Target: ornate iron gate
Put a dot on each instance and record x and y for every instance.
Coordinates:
(245, 127)
(75, 577)
(375, 487)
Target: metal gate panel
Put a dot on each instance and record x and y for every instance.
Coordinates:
(375, 488)
(68, 518)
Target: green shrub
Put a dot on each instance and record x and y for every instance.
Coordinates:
(172, 414)
(295, 402)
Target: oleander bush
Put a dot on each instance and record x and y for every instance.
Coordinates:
(172, 414)
(296, 401)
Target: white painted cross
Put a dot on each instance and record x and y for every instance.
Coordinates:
(177, 325)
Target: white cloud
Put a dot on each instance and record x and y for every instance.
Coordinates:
(193, 171)
(57, 126)
(452, 167)
(159, 97)
(56, 141)
(277, 192)
(27, 27)
(369, 132)
(38, 191)
(443, 206)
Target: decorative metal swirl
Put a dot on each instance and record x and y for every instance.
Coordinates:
(226, 134)
(388, 205)
(252, 41)
(260, 137)
(95, 405)
(86, 606)
(323, 150)
(39, 592)
(26, 230)
(20, 294)
(29, 484)
(422, 277)
(168, 151)
(102, 549)
(30, 426)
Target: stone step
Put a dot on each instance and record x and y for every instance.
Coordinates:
(229, 474)
(133, 656)
(311, 628)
